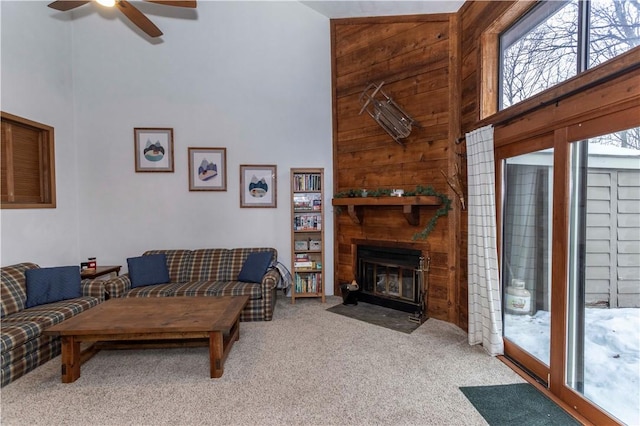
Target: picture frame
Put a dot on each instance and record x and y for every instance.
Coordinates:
(258, 185)
(153, 149)
(207, 169)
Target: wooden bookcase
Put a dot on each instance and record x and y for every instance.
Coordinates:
(307, 233)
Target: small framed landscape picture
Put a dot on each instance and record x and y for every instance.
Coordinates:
(153, 149)
(207, 169)
(257, 185)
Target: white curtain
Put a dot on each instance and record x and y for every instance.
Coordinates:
(485, 306)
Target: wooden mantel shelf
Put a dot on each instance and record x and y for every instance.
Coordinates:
(409, 205)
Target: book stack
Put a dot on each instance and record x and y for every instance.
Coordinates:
(310, 283)
(307, 182)
(307, 222)
(303, 261)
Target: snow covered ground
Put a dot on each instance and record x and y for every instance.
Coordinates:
(612, 355)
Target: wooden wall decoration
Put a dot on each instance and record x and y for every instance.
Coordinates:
(413, 56)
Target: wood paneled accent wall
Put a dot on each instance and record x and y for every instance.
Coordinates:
(416, 57)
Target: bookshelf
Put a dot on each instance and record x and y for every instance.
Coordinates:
(307, 233)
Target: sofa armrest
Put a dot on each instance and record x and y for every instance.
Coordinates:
(93, 288)
(270, 280)
(117, 286)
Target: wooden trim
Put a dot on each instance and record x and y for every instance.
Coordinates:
(489, 75)
(409, 206)
(526, 361)
(605, 124)
(454, 166)
(10, 181)
(396, 19)
(416, 200)
(608, 98)
(334, 121)
(622, 65)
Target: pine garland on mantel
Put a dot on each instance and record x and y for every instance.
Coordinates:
(420, 190)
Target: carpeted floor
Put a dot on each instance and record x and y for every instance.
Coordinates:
(306, 367)
(516, 404)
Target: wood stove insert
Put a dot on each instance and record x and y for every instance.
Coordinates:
(391, 277)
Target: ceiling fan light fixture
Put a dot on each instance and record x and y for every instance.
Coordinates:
(107, 3)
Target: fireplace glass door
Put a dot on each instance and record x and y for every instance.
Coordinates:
(390, 277)
(390, 281)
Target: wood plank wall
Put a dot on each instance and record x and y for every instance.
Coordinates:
(411, 54)
(432, 67)
(475, 18)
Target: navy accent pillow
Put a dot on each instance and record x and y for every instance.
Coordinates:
(255, 267)
(148, 270)
(47, 285)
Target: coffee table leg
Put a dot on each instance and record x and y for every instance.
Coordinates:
(216, 353)
(70, 359)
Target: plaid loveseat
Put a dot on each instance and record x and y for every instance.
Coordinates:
(208, 272)
(22, 346)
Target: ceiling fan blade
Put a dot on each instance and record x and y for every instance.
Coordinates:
(63, 5)
(180, 3)
(138, 18)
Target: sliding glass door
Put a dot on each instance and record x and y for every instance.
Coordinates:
(603, 328)
(526, 257)
(570, 266)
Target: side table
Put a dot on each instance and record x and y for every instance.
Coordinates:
(100, 271)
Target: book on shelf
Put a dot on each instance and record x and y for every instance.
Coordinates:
(307, 202)
(308, 283)
(307, 182)
(307, 222)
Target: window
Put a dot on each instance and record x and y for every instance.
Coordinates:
(557, 40)
(27, 174)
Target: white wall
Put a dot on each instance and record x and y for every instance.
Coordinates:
(253, 77)
(36, 84)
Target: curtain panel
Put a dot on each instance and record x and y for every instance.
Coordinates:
(485, 301)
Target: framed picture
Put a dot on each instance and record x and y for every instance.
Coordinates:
(257, 186)
(153, 149)
(207, 169)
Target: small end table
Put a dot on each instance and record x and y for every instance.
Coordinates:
(100, 271)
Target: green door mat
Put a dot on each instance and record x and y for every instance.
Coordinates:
(516, 404)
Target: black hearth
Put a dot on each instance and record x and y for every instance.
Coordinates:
(390, 277)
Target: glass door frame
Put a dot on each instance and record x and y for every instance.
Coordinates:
(515, 353)
(560, 140)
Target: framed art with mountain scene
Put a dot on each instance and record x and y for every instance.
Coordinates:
(153, 149)
(207, 169)
(257, 185)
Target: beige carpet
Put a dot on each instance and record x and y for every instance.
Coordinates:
(306, 367)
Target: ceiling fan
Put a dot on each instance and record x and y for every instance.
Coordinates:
(130, 11)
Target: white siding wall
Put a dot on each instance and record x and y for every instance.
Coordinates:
(613, 238)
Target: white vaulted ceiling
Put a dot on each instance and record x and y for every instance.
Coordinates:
(356, 8)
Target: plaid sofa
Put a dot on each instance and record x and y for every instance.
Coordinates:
(208, 272)
(22, 345)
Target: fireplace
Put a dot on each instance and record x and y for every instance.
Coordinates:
(391, 277)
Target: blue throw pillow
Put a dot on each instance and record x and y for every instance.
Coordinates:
(255, 267)
(148, 270)
(47, 285)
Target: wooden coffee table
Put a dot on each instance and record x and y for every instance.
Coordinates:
(151, 322)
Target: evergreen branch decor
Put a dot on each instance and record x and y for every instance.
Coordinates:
(420, 190)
